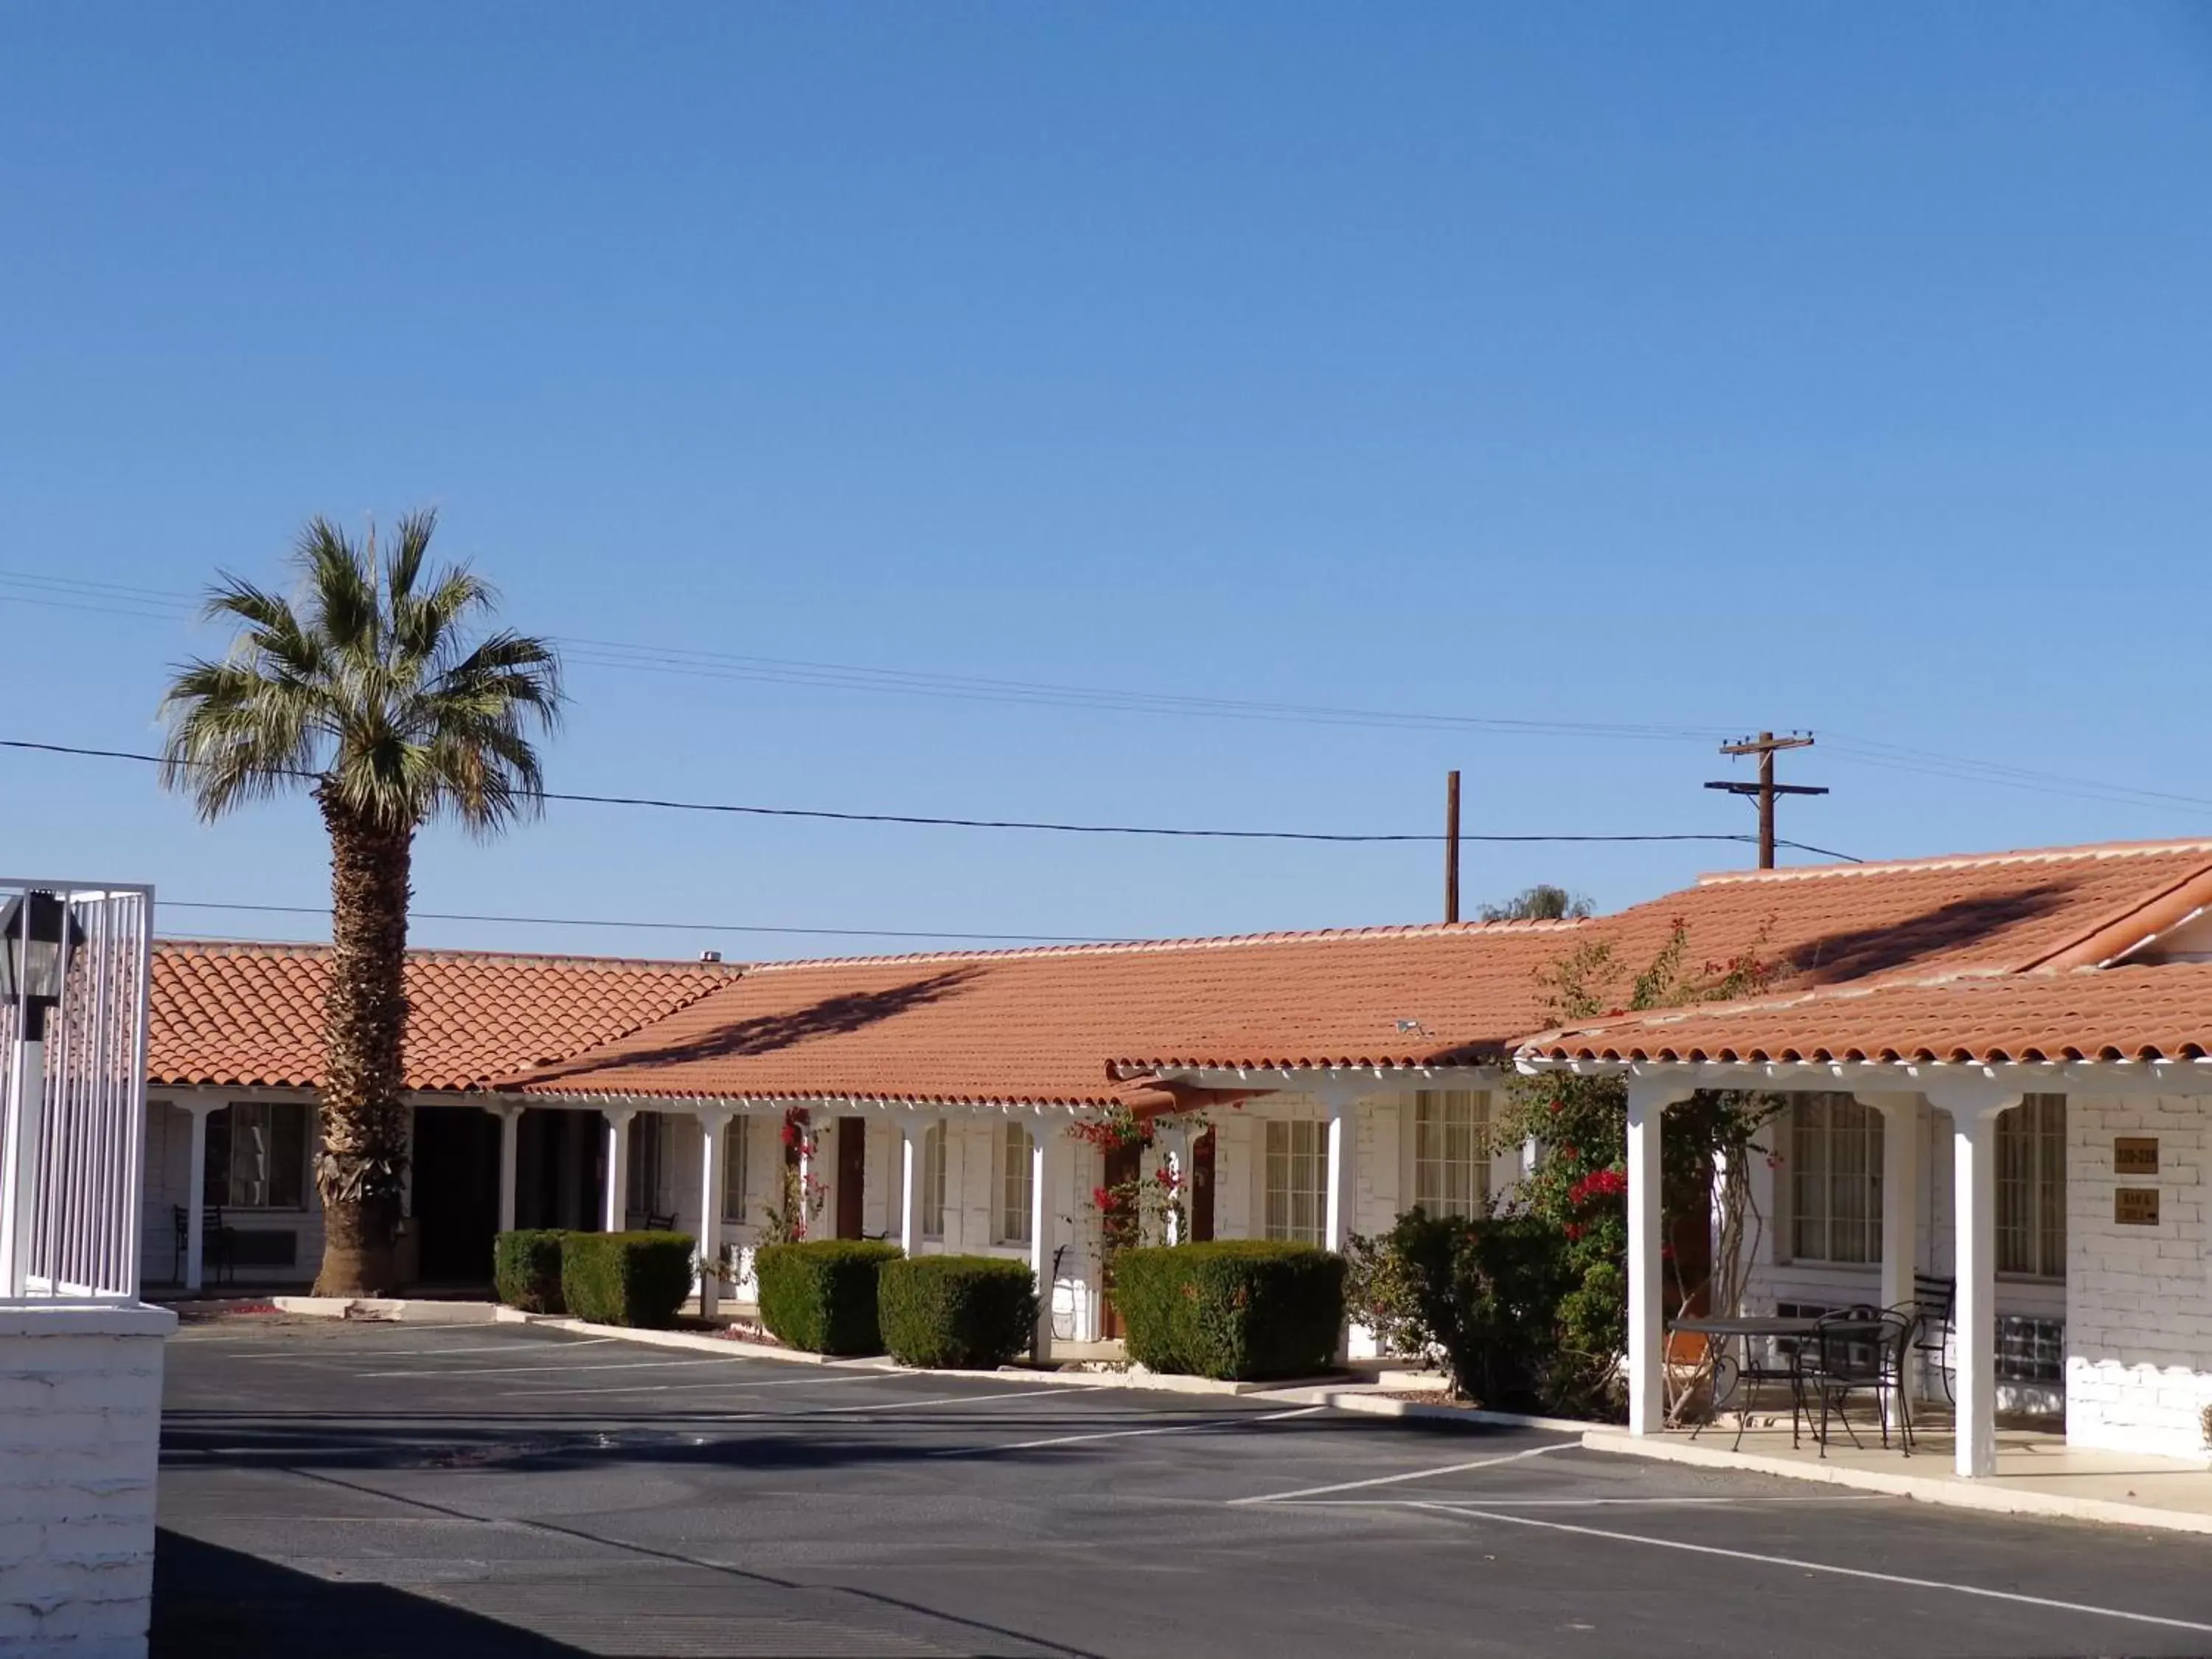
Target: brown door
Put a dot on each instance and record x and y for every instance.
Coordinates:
(1201, 1196)
(852, 1174)
(1117, 1229)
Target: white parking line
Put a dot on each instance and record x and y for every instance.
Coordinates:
(1474, 1504)
(1132, 1434)
(665, 1388)
(417, 1353)
(1412, 1474)
(547, 1371)
(1795, 1564)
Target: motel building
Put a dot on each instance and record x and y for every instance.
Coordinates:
(1987, 1065)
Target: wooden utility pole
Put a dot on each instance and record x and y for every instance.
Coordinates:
(1451, 846)
(1764, 746)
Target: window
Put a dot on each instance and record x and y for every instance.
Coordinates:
(1835, 1180)
(1297, 1179)
(648, 1163)
(257, 1156)
(932, 1181)
(1451, 1165)
(2032, 1189)
(1014, 1185)
(735, 1171)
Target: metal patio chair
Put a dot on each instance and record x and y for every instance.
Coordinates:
(1935, 1298)
(1860, 1349)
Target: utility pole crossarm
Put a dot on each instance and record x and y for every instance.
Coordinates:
(1765, 745)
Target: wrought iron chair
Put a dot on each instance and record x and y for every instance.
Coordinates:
(1935, 1297)
(1855, 1350)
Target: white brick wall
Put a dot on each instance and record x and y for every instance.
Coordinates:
(80, 1432)
(2139, 1326)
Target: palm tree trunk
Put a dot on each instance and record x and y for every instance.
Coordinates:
(361, 1162)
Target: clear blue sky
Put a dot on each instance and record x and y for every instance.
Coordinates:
(1846, 367)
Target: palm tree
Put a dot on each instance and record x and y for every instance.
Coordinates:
(372, 695)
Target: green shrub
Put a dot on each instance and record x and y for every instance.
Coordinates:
(974, 1312)
(1243, 1309)
(525, 1270)
(1520, 1327)
(820, 1294)
(626, 1278)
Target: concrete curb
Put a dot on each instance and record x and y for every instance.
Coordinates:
(1992, 1495)
(398, 1310)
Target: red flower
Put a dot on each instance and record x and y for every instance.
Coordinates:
(1574, 1230)
(1570, 1152)
(1666, 1252)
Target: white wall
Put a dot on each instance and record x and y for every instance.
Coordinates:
(80, 1432)
(168, 1181)
(2139, 1335)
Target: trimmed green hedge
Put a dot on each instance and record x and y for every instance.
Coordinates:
(973, 1312)
(525, 1270)
(820, 1294)
(1232, 1309)
(626, 1278)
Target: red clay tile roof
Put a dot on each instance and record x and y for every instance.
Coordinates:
(1041, 1026)
(236, 1015)
(2065, 907)
(2111, 1014)
(1086, 1025)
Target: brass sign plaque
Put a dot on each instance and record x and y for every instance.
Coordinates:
(2135, 1155)
(2135, 1206)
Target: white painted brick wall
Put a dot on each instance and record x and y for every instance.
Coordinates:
(2139, 1329)
(80, 1432)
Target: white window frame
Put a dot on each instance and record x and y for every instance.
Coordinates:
(1014, 1183)
(229, 1111)
(737, 1171)
(1451, 1180)
(930, 1187)
(1833, 1174)
(1295, 1181)
(2031, 1154)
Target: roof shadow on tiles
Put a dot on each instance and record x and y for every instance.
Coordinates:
(765, 1034)
(1889, 947)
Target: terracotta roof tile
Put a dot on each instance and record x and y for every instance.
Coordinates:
(1041, 1026)
(2109, 1014)
(253, 1014)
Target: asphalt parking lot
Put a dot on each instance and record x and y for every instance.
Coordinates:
(372, 1490)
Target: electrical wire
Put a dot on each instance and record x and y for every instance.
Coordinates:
(656, 927)
(1179, 832)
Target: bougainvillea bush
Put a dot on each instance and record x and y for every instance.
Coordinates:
(1529, 1305)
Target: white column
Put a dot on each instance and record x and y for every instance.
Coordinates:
(1974, 1106)
(510, 1132)
(1342, 1126)
(616, 1200)
(1900, 1193)
(19, 1199)
(713, 1121)
(1043, 1137)
(1174, 1151)
(196, 1194)
(807, 1134)
(910, 1134)
(1648, 1100)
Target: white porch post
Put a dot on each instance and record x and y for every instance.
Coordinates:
(615, 1201)
(807, 1134)
(1973, 1164)
(1044, 1138)
(910, 1133)
(1177, 1153)
(1337, 1212)
(1648, 1100)
(510, 1127)
(196, 1194)
(714, 1123)
(1900, 1193)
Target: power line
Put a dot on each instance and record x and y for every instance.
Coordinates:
(654, 926)
(154, 605)
(914, 818)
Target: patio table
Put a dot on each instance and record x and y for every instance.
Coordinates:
(1744, 1331)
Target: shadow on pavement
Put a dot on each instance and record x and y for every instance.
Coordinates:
(211, 1603)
